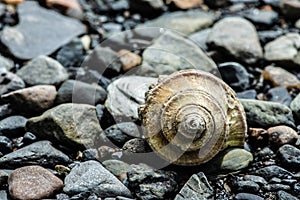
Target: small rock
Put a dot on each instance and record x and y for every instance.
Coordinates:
(72, 91)
(187, 4)
(246, 186)
(92, 77)
(39, 153)
(125, 95)
(290, 157)
(10, 82)
(129, 60)
(290, 8)
(197, 187)
(13, 126)
(280, 77)
(148, 183)
(200, 38)
(235, 75)
(33, 182)
(280, 135)
(30, 39)
(265, 154)
(247, 94)
(282, 195)
(295, 106)
(269, 35)
(117, 168)
(257, 179)
(91, 176)
(136, 145)
(43, 70)
(71, 124)
(90, 154)
(34, 99)
(238, 38)
(247, 196)
(276, 187)
(28, 138)
(266, 114)
(5, 144)
(273, 171)
(3, 178)
(284, 50)
(261, 17)
(280, 95)
(146, 7)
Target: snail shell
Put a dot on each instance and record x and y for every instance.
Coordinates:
(190, 116)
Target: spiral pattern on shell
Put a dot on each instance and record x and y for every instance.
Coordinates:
(190, 116)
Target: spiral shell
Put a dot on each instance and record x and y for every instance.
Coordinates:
(190, 116)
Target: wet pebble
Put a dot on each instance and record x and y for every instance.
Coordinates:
(273, 171)
(247, 196)
(261, 17)
(276, 187)
(257, 179)
(129, 60)
(117, 168)
(136, 145)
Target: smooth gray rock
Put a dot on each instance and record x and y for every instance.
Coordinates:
(39, 153)
(4, 195)
(40, 31)
(91, 176)
(257, 179)
(172, 52)
(247, 196)
(126, 94)
(267, 114)
(237, 37)
(290, 157)
(273, 171)
(197, 187)
(246, 186)
(200, 38)
(116, 167)
(282, 195)
(74, 125)
(13, 126)
(43, 70)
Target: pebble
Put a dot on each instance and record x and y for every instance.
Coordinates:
(90, 154)
(91, 176)
(184, 22)
(237, 37)
(172, 52)
(267, 114)
(280, 95)
(117, 168)
(290, 8)
(28, 138)
(235, 75)
(284, 50)
(33, 182)
(200, 38)
(257, 179)
(30, 39)
(247, 94)
(290, 157)
(13, 126)
(245, 186)
(147, 8)
(71, 124)
(282, 195)
(295, 106)
(125, 95)
(31, 100)
(148, 183)
(6, 63)
(197, 187)
(261, 17)
(187, 4)
(5, 144)
(129, 60)
(280, 135)
(247, 196)
(136, 145)
(92, 77)
(10, 82)
(43, 70)
(266, 36)
(34, 154)
(72, 91)
(13, 2)
(273, 171)
(276, 187)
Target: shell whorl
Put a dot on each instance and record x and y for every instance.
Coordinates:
(189, 116)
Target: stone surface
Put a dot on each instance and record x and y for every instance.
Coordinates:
(34, 99)
(245, 186)
(126, 94)
(91, 176)
(30, 39)
(184, 22)
(267, 114)
(290, 157)
(200, 38)
(10, 82)
(295, 106)
(273, 171)
(6, 63)
(297, 24)
(261, 17)
(276, 186)
(247, 196)
(280, 95)
(70, 124)
(284, 50)
(280, 135)
(40, 153)
(72, 91)
(290, 8)
(43, 70)
(238, 38)
(33, 182)
(148, 183)
(257, 179)
(197, 187)
(282, 195)
(171, 52)
(136, 145)
(129, 60)
(117, 168)
(266, 36)
(13, 126)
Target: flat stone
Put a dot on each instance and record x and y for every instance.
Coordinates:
(280, 135)
(276, 187)
(43, 70)
(13, 126)
(33, 182)
(273, 171)
(73, 125)
(72, 91)
(126, 94)
(39, 153)
(172, 52)
(290, 157)
(247, 94)
(284, 50)
(261, 17)
(257, 179)
(237, 37)
(91, 176)
(197, 187)
(40, 31)
(267, 114)
(34, 99)
(290, 8)
(246, 186)
(247, 196)
(184, 22)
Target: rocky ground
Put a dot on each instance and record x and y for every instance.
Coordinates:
(73, 74)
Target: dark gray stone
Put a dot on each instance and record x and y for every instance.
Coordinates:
(282, 195)
(39, 153)
(43, 70)
(290, 8)
(40, 31)
(13, 126)
(247, 196)
(246, 186)
(280, 95)
(273, 171)
(257, 179)
(91, 176)
(197, 187)
(266, 114)
(276, 187)
(290, 157)
(72, 91)
(295, 106)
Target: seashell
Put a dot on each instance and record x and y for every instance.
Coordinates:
(190, 116)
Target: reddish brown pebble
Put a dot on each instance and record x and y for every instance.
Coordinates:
(33, 182)
(280, 135)
(129, 60)
(186, 4)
